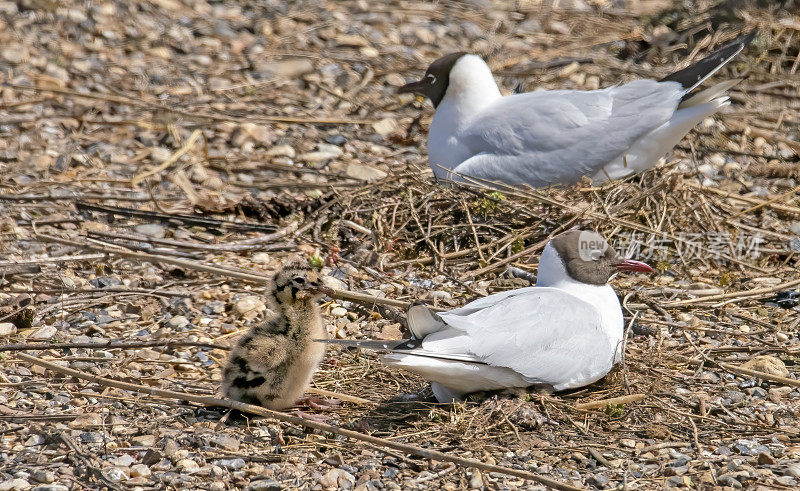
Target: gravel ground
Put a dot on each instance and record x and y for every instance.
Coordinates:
(273, 128)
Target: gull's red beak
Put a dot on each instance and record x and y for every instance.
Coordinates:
(635, 266)
(417, 87)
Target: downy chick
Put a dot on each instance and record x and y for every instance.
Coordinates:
(273, 363)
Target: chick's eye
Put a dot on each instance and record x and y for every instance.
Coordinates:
(432, 77)
(299, 280)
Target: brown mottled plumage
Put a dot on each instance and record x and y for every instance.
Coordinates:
(273, 363)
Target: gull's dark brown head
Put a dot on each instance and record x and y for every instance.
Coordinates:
(434, 84)
(297, 281)
(588, 258)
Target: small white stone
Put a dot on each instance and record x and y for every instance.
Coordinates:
(260, 258)
(386, 126)
(281, 151)
(249, 305)
(178, 322)
(706, 169)
(7, 329)
(44, 333)
(117, 474)
(188, 466)
(140, 470)
(339, 312)
(17, 484)
(151, 230)
(441, 295)
(781, 337)
(364, 172)
(717, 160)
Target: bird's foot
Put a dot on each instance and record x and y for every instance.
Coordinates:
(317, 418)
(317, 403)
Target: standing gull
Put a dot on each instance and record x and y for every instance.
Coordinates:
(565, 332)
(557, 136)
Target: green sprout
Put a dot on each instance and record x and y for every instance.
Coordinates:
(614, 410)
(518, 246)
(488, 204)
(315, 262)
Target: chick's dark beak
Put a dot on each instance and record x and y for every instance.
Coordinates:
(634, 266)
(417, 87)
(318, 287)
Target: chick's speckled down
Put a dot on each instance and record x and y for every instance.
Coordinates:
(273, 363)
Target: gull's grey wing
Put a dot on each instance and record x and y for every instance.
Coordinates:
(545, 334)
(551, 137)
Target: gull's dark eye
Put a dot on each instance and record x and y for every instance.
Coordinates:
(432, 77)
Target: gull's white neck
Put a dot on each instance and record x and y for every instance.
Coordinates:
(552, 273)
(471, 88)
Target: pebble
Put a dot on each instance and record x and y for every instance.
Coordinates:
(781, 337)
(177, 322)
(117, 473)
(44, 333)
(476, 480)
(338, 312)
(336, 139)
(86, 420)
(14, 54)
(35, 440)
(282, 151)
(154, 230)
(793, 470)
(286, 68)
(729, 480)
(50, 487)
(188, 466)
(765, 459)
(717, 160)
(386, 126)
(707, 170)
(231, 464)
(265, 485)
(441, 296)
(364, 172)
(17, 484)
(395, 79)
(337, 479)
(249, 305)
(227, 442)
(257, 132)
(7, 329)
(390, 332)
(767, 364)
(143, 441)
(260, 258)
(43, 476)
(140, 470)
(776, 394)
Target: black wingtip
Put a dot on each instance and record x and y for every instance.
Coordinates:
(696, 73)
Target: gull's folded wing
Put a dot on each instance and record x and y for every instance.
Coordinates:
(551, 137)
